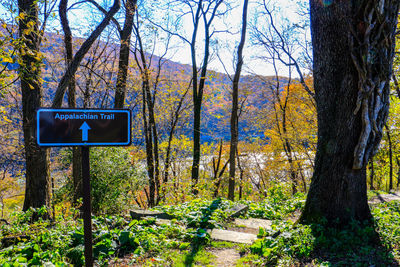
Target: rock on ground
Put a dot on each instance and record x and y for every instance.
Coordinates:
(232, 236)
(253, 223)
(139, 214)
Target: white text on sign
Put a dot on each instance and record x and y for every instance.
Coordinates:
(89, 116)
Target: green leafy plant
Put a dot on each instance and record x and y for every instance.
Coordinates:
(278, 204)
(200, 213)
(114, 179)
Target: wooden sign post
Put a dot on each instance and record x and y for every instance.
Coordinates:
(84, 128)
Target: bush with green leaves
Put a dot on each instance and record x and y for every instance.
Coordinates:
(61, 242)
(200, 213)
(34, 244)
(387, 217)
(114, 180)
(278, 204)
(284, 239)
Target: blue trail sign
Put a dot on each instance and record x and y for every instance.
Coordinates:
(83, 127)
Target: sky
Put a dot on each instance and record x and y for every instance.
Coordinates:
(82, 22)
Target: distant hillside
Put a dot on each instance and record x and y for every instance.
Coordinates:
(97, 76)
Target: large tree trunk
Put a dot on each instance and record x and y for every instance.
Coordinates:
(352, 70)
(37, 192)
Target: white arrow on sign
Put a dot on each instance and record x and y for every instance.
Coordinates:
(85, 128)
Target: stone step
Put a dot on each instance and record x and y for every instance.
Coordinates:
(139, 214)
(393, 196)
(253, 223)
(232, 236)
(237, 210)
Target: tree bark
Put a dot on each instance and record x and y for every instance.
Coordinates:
(235, 107)
(353, 49)
(241, 171)
(217, 175)
(38, 183)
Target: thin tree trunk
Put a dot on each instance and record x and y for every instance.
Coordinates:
(240, 177)
(167, 163)
(198, 85)
(196, 146)
(196, 104)
(168, 152)
(372, 173)
(281, 124)
(76, 151)
(154, 136)
(293, 171)
(398, 172)
(150, 128)
(149, 149)
(174, 122)
(217, 177)
(390, 158)
(235, 107)
(123, 63)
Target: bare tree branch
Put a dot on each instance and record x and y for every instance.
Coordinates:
(73, 66)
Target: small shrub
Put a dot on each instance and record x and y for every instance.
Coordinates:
(114, 179)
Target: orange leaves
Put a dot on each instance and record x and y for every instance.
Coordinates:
(291, 132)
(7, 184)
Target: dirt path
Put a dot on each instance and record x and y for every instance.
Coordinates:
(225, 257)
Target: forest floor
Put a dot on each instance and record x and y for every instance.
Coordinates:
(244, 231)
(205, 232)
(227, 257)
